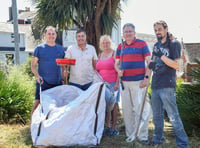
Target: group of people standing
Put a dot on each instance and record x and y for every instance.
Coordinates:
(131, 65)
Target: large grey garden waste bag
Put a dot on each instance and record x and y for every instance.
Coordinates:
(68, 116)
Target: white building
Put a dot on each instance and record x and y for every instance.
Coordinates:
(7, 45)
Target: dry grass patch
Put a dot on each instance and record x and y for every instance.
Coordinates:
(17, 136)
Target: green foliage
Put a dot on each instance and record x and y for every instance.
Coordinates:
(2, 91)
(188, 100)
(149, 91)
(194, 73)
(96, 17)
(26, 67)
(16, 95)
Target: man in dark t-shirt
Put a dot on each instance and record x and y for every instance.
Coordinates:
(44, 67)
(166, 53)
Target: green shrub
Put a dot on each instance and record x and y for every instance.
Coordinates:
(189, 107)
(2, 91)
(26, 67)
(16, 95)
(188, 100)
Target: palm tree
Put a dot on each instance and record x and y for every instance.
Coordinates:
(96, 17)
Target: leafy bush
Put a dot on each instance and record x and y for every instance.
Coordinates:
(188, 100)
(26, 67)
(16, 95)
(2, 91)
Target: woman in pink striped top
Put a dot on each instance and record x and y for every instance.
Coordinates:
(105, 67)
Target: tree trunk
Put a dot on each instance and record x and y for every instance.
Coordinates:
(99, 10)
(90, 31)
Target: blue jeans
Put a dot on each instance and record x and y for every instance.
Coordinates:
(118, 95)
(110, 96)
(166, 99)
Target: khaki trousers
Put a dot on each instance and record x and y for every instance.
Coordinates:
(132, 97)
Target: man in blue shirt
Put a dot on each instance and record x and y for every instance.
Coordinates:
(132, 56)
(166, 53)
(44, 67)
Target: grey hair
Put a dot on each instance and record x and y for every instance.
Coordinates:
(80, 30)
(127, 25)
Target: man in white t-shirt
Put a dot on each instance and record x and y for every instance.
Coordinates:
(81, 74)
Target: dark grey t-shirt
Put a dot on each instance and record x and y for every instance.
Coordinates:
(163, 75)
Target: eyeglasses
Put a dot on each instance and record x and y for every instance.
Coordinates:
(126, 32)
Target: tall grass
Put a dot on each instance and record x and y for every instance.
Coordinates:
(16, 95)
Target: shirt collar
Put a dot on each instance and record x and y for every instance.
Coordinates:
(86, 47)
(133, 42)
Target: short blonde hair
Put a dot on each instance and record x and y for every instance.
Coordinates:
(103, 37)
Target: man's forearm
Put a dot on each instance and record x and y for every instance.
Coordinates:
(117, 68)
(148, 59)
(171, 63)
(34, 71)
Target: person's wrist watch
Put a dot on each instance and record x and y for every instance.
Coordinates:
(146, 76)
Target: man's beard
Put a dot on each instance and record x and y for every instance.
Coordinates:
(159, 38)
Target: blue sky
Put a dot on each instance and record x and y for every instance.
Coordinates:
(182, 16)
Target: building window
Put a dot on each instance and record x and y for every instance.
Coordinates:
(9, 59)
(12, 36)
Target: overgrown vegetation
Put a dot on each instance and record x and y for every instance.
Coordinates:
(26, 67)
(16, 95)
(188, 100)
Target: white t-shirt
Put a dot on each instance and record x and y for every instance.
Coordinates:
(82, 72)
